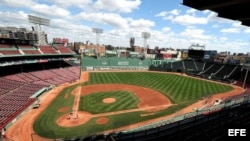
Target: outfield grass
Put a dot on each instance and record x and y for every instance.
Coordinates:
(181, 90)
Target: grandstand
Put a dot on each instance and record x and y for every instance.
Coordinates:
(28, 70)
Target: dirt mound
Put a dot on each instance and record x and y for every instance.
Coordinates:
(109, 100)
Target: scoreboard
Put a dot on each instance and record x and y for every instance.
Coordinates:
(201, 54)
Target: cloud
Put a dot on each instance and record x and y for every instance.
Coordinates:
(41, 9)
(189, 20)
(18, 3)
(14, 19)
(142, 23)
(166, 29)
(111, 19)
(175, 12)
(191, 11)
(193, 33)
(124, 6)
(76, 3)
(247, 30)
(52, 10)
(162, 14)
(230, 30)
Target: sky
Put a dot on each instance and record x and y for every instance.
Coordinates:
(169, 23)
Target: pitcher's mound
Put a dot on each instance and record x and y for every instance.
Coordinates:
(108, 100)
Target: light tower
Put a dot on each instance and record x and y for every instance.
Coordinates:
(40, 21)
(97, 31)
(145, 36)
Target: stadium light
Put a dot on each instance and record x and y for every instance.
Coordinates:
(145, 36)
(97, 31)
(39, 21)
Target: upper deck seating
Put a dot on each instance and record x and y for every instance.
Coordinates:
(31, 52)
(47, 49)
(25, 46)
(64, 50)
(6, 46)
(10, 52)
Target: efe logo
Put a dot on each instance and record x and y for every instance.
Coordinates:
(236, 132)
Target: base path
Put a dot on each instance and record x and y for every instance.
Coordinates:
(84, 78)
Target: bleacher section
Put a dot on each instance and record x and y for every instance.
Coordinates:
(216, 71)
(211, 69)
(222, 72)
(189, 65)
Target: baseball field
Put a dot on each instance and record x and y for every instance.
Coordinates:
(112, 100)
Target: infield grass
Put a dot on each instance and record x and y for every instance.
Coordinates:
(182, 91)
(93, 103)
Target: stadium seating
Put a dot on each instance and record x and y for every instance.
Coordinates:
(3, 91)
(25, 46)
(47, 77)
(10, 52)
(190, 65)
(6, 46)
(9, 84)
(16, 90)
(64, 50)
(47, 49)
(212, 68)
(31, 52)
(14, 98)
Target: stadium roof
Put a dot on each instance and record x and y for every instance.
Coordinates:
(230, 9)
